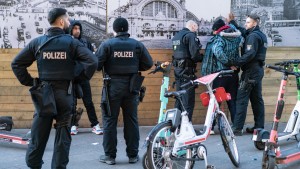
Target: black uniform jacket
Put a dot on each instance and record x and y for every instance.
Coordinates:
(27, 56)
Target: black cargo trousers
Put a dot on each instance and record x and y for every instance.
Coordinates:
(120, 97)
(41, 127)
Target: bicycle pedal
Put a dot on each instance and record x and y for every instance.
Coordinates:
(210, 167)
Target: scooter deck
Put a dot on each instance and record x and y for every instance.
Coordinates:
(288, 156)
(13, 137)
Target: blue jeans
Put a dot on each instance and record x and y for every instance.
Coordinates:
(252, 92)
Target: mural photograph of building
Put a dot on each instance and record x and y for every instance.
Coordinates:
(23, 20)
(154, 22)
(280, 19)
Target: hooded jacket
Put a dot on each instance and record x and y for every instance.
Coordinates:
(80, 38)
(221, 49)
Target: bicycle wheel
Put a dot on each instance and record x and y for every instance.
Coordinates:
(145, 161)
(160, 148)
(228, 140)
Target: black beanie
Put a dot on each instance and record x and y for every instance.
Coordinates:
(120, 25)
(218, 24)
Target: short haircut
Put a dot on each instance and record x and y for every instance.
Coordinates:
(255, 17)
(190, 23)
(55, 13)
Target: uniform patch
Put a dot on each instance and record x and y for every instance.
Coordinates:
(123, 54)
(249, 47)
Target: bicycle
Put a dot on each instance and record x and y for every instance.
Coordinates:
(176, 134)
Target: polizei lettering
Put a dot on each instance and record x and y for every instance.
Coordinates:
(54, 55)
(123, 54)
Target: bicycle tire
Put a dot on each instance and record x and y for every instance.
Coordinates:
(145, 161)
(159, 145)
(228, 141)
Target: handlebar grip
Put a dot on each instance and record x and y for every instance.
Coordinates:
(187, 84)
(274, 67)
(226, 72)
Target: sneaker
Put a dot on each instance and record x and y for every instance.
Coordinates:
(97, 130)
(133, 160)
(212, 132)
(74, 130)
(107, 159)
(238, 132)
(250, 130)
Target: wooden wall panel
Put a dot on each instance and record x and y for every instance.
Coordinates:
(15, 99)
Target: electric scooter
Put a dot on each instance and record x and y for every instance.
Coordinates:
(273, 155)
(6, 135)
(165, 68)
(261, 136)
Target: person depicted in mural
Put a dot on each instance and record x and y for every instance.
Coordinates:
(76, 32)
(55, 53)
(186, 54)
(221, 48)
(250, 86)
(120, 59)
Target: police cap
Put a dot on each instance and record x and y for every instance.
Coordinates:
(120, 25)
(55, 13)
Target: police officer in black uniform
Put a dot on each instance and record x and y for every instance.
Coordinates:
(122, 58)
(186, 47)
(55, 62)
(250, 86)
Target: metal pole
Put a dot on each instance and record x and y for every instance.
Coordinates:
(106, 17)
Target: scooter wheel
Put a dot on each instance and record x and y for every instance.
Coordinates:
(259, 145)
(8, 127)
(145, 161)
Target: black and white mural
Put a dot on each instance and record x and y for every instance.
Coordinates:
(280, 19)
(154, 22)
(23, 20)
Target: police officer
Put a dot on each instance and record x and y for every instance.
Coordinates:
(122, 57)
(55, 62)
(251, 62)
(186, 47)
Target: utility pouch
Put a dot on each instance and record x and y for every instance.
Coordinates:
(136, 82)
(43, 99)
(142, 93)
(78, 90)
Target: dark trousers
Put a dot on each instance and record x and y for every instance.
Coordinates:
(188, 99)
(41, 127)
(120, 97)
(230, 83)
(252, 92)
(88, 102)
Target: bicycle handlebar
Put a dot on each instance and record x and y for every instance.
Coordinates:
(280, 69)
(222, 72)
(287, 63)
(187, 84)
